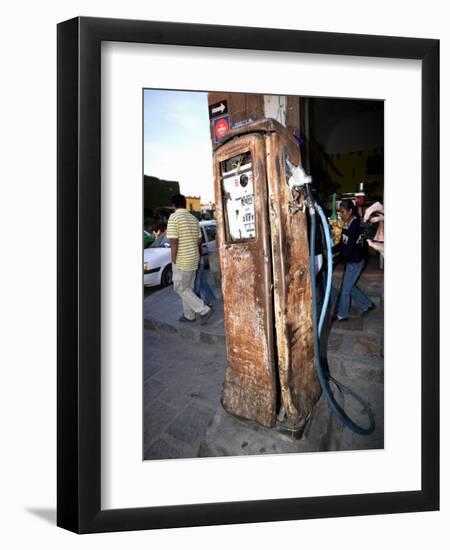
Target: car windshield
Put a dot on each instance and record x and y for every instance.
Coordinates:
(161, 242)
(210, 231)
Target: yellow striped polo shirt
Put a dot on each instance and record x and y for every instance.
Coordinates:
(182, 225)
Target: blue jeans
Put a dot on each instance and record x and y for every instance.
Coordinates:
(201, 286)
(350, 290)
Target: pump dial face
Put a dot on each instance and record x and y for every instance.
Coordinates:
(243, 180)
(239, 201)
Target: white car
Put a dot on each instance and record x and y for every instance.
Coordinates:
(158, 265)
(208, 228)
(158, 262)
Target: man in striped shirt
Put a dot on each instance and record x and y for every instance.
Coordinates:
(184, 233)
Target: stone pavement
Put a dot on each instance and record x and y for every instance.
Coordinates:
(182, 384)
(184, 368)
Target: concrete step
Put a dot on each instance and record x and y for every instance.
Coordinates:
(231, 436)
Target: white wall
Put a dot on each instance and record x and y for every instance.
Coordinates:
(28, 274)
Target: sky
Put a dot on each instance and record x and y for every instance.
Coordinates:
(177, 143)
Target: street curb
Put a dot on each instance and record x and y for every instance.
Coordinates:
(185, 332)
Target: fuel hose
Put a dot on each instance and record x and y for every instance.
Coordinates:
(327, 234)
(324, 377)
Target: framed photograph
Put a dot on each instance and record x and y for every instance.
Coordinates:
(263, 355)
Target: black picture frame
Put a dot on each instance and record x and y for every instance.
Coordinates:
(79, 281)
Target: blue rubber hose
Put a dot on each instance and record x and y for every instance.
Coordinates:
(327, 234)
(324, 379)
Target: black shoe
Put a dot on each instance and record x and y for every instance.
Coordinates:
(205, 318)
(184, 319)
(370, 308)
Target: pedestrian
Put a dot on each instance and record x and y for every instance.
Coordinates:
(201, 286)
(183, 230)
(352, 251)
(375, 214)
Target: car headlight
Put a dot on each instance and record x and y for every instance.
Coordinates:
(146, 267)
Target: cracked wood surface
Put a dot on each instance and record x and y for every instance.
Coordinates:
(300, 388)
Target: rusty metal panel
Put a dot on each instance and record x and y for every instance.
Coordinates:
(249, 389)
(300, 388)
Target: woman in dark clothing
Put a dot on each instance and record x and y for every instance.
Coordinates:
(351, 250)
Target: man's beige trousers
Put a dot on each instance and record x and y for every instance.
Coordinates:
(183, 284)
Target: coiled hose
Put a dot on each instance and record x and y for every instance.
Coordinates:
(325, 377)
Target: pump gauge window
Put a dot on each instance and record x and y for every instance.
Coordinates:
(239, 199)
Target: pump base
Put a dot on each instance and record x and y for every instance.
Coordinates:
(291, 428)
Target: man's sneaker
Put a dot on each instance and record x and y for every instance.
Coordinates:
(370, 308)
(184, 319)
(205, 318)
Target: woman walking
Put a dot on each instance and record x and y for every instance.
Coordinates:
(351, 250)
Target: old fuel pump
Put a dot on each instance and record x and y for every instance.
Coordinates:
(266, 283)
(274, 367)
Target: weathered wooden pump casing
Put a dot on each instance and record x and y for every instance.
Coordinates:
(266, 286)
